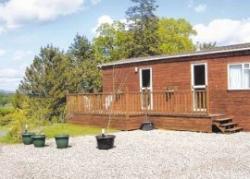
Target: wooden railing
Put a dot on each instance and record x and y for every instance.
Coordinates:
(136, 102)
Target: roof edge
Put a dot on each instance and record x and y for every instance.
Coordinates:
(155, 58)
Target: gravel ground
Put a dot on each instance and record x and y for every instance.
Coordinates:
(138, 154)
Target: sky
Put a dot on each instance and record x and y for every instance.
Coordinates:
(28, 25)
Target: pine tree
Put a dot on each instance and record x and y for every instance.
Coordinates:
(143, 23)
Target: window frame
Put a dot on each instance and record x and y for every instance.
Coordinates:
(242, 64)
(192, 75)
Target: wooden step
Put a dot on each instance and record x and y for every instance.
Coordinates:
(228, 124)
(234, 129)
(223, 120)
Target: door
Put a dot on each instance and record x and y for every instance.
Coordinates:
(199, 86)
(146, 88)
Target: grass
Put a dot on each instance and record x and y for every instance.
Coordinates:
(55, 129)
(70, 129)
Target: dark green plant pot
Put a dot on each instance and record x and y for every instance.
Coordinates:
(62, 141)
(39, 140)
(27, 138)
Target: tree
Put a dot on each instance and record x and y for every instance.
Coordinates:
(206, 46)
(174, 36)
(49, 78)
(85, 73)
(80, 49)
(143, 24)
(113, 42)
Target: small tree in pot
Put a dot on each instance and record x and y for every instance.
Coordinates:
(62, 140)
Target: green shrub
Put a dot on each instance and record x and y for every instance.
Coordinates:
(5, 116)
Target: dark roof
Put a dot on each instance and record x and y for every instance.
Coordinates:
(215, 50)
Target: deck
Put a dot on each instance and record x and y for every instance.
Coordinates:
(169, 109)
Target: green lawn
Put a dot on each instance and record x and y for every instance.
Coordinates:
(54, 129)
(70, 129)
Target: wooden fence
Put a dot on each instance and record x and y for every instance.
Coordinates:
(137, 102)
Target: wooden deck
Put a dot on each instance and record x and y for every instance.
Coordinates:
(168, 101)
(182, 110)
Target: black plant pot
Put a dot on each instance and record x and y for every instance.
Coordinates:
(39, 140)
(27, 138)
(62, 141)
(105, 142)
(147, 126)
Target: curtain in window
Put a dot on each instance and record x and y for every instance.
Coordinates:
(235, 76)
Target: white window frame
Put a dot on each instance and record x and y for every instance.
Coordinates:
(242, 71)
(151, 83)
(192, 75)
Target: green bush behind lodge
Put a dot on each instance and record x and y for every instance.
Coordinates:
(41, 96)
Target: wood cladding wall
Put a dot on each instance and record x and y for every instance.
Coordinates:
(177, 75)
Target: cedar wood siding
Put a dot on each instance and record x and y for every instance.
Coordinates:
(235, 104)
(163, 74)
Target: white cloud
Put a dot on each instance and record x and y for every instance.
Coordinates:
(102, 20)
(2, 52)
(9, 84)
(94, 2)
(11, 77)
(10, 73)
(200, 8)
(22, 55)
(14, 13)
(223, 31)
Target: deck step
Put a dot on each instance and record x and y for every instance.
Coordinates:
(228, 124)
(223, 119)
(225, 124)
(235, 129)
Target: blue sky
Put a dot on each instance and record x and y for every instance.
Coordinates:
(26, 25)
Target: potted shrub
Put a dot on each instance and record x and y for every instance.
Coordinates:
(62, 141)
(105, 142)
(27, 138)
(39, 140)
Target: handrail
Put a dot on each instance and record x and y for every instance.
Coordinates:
(137, 102)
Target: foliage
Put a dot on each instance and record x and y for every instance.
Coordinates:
(80, 49)
(206, 46)
(5, 99)
(84, 73)
(17, 125)
(49, 77)
(143, 23)
(112, 43)
(174, 36)
(4, 116)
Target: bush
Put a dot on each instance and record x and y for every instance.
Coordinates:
(5, 116)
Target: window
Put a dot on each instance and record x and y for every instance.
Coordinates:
(146, 78)
(239, 76)
(199, 75)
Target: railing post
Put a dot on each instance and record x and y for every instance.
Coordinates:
(126, 102)
(207, 99)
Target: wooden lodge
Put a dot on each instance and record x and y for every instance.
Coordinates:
(196, 91)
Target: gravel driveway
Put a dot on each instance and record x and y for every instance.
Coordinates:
(138, 154)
